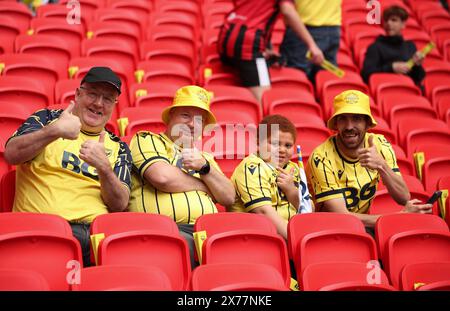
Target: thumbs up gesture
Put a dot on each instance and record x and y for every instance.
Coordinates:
(93, 152)
(369, 157)
(68, 124)
(285, 179)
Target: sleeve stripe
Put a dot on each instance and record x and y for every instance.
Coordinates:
(154, 146)
(149, 160)
(325, 173)
(257, 201)
(327, 193)
(246, 182)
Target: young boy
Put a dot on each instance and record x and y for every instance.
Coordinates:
(267, 182)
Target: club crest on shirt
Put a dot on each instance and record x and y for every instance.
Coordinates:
(252, 168)
(108, 152)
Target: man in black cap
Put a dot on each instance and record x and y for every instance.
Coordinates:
(68, 164)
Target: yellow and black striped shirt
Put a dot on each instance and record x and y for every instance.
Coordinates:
(255, 182)
(184, 207)
(58, 182)
(332, 175)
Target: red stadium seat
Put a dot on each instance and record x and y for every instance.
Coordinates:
(19, 12)
(167, 51)
(44, 252)
(410, 111)
(19, 222)
(408, 125)
(142, 119)
(110, 48)
(235, 98)
(110, 30)
(420, 137)
(59, 11)
(290, 102)
(343, 276)
(395, 99)
(290, 78)
(72, 34)
(435, 77)
(433, 170)
(149, 248)
(324, 237)
(145, 240)
(57, 49)
(182, 37)
(224, 222)
(237, 277)
(140, 8)
(11, 118)
(427, 275)
(27, 94)
(377, 80)
(7, 191)
(123, 278)
(4, 166)
(243, 246)
(65, 90)
(440, 99)
(114, 223)
(166, 72)
(121, 17)
(152, 95)
(440, 33)
(88, 6)
(9, 29)
(22, 280)
(404, 227)
(383, 203)
(37, 67)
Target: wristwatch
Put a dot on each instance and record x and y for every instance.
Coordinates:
(204, 169)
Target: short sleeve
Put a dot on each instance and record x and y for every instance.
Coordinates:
(252, 186)
(387, 152)
(146, 149)
(36, 121)
(323, 181)
(122, 167)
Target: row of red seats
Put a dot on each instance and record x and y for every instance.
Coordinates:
(411, 247)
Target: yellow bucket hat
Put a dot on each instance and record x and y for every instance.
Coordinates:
(351, 101)
(191, 96)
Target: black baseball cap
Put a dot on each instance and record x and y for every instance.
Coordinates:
(102, 74)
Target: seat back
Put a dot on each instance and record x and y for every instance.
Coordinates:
(424, 273)
(22, 280)
(123, 278)
(47, 253)
(214, 276)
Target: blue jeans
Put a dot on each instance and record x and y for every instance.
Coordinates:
(293, 49)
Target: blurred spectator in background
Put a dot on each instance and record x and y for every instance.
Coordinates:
(323, 21)
(391, 52)
(245, 37)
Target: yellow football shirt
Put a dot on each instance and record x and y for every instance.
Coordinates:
(320, 12)
(58, 182)
(255, 182)
(184, 207)
(332, 175)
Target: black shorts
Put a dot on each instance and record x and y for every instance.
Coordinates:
(253, 72)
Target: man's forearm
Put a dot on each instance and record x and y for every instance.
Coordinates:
(395, 185)
(220, 187)
(114, 193)
(168, 178)
(26, 147)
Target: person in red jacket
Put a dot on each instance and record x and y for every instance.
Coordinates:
(244, 39)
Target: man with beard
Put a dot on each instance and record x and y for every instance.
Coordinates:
(345, 170)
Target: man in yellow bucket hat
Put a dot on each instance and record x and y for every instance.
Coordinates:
(172, 177)
(345, 170)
